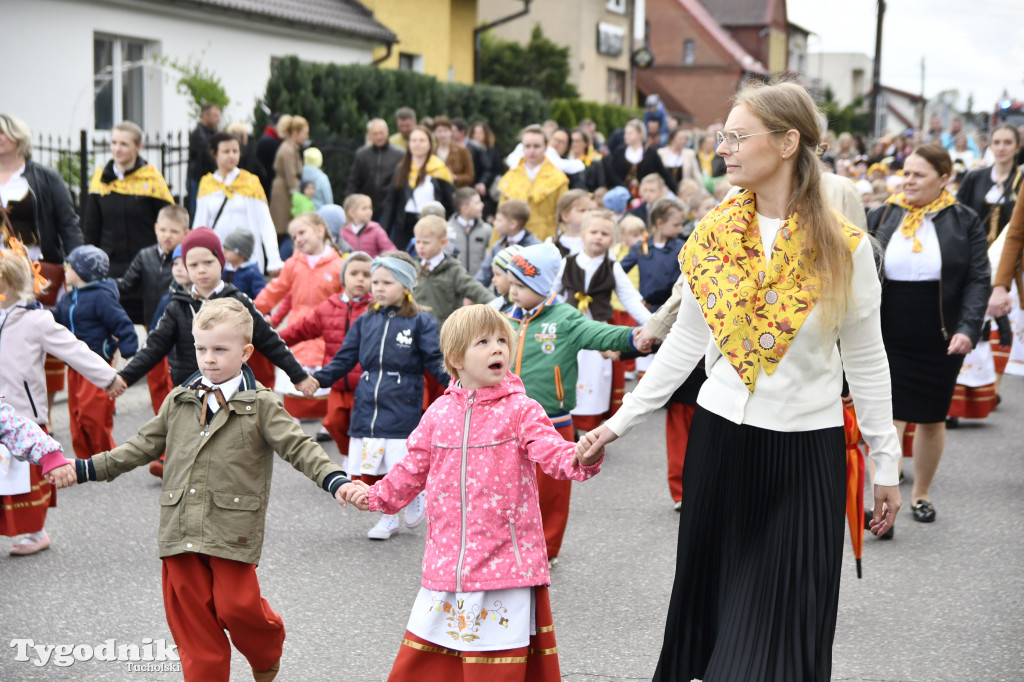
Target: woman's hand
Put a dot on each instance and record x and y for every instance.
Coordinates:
(887, 505)
(998, 302)
(959, 345)
(589, 448)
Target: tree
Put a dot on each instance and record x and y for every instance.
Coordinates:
(849, 119)
(201, 86)
(541, 64)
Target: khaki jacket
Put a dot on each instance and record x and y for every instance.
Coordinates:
(216, 483)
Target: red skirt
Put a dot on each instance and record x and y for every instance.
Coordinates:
(262, 369)
(422, 661)
(973, 403)
(55, 374)
(1000, 353)
(301, 407)
(26, 513)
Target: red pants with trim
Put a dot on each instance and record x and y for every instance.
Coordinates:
(160, 384)
(432, 390)
(54, 369)
(554, 502)
(26, 513)
(262, 369)
(91, 415)
(339, 416)
(677, 433)
(204, 596)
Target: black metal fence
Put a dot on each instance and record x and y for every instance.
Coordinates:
(77, 160)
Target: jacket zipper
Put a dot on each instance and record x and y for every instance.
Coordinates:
(71, 309)
(942, 315)
(380, 372)
(31, 402)
(515, 543)
(462, 491)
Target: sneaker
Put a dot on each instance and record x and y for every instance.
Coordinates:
(678, 506)
(322, 436)
(31, 544)
(552, 563)
(414, 512)
(629, 376)
(385, 528)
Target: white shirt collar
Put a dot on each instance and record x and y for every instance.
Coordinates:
(217, 290)
(228, 389)
(231, 177)
(433, 262)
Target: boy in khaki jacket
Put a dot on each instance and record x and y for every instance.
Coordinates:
(220, 430)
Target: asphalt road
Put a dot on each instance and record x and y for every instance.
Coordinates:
(940, 602)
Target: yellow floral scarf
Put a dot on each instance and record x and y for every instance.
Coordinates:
(516, 184)
(143, 182)
(245, 185)
(915, 214)
(436, 168)
(754, 312)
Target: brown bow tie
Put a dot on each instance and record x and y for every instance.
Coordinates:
(426, 268)
(204, 391)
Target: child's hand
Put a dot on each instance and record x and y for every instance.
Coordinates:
(354, 492)
(592, 457)
(643, 339)
(590, 447)
(308, 386)
(613, 355)
(116, 387)
(63, 476)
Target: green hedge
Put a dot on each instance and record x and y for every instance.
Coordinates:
(607, 117)
(338, 100)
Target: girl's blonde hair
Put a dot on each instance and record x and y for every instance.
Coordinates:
(632, 225)
(16, 274)
(468, 324)
(317, 220)
(16, 129)
(409, 307)
(568, 200)
(784, 107)
(350, 203)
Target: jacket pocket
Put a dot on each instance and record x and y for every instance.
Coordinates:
(171, 519)
(515, 540)
(28, 394)
(235, 518)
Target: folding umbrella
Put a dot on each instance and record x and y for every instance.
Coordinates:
(854, 483)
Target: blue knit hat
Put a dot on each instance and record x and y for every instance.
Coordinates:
(536, 266)
(502, 258)
(90, 262)
(176, 254)
(617, 199)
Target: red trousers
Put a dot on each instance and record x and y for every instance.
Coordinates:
(54, 369)
(91, 415)
(206, 595)
(160, 384)
(339, 416)
(554, 503)
(677, 433)
(432, 390)
(262, 369)
(26, 513)
(422, 661)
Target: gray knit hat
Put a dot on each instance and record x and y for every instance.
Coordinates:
(241, 242)
(90, 262)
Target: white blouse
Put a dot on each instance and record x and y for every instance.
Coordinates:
(241, 213)
(903, 265)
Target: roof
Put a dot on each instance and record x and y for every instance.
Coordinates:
(740, 12)
(707, 22)
(903, 93)
(334, 16)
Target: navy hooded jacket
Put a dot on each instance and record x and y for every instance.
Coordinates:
(94, 314)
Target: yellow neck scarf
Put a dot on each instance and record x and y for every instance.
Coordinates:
(516, 184)
(915, 214)
(754, 309)
(245, 185)
(435, 168)
(143, 182)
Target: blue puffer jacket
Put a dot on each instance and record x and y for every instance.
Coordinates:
(394, 352)
(94, 314)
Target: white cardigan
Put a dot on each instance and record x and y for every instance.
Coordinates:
(803, 394)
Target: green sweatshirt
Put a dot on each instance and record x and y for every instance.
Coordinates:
(545, 354)
(442, 289)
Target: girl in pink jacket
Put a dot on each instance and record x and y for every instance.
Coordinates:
(484, 596)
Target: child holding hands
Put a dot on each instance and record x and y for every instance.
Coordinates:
(221, 430)
(484, 596)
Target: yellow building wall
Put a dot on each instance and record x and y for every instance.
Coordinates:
(441, 31)
(778, 51)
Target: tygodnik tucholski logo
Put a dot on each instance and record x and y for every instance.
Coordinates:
(152, 655)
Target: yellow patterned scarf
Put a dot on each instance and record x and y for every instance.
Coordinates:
(915, 214)
(435, 169)
(754, 311)
(142, 182)
(516, 184)
(245, 185)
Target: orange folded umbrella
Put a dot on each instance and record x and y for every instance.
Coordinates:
(854, 483)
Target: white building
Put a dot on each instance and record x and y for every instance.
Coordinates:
(847, 74)
(88, 64)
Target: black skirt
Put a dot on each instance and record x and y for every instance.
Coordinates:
(756, 591)
(923, 375)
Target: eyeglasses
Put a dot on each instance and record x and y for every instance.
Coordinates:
(734, 139)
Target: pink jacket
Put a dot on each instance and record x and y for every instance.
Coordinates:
(372, 239)
(474, 452)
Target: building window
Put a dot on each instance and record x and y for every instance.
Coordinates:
(617, 6)
(689, 50)
(410, 62)
(119, 81)
(610, 39)
(616, 86)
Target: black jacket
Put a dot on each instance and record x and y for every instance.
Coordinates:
(966, 271)
(149, 275)
(481, 161)
(616, 168)
(120, 224)
(393, 217)
(373, 172)
(200, 160)
(173, 339)
(56, 221)
(266, 150)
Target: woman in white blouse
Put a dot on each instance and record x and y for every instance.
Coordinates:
(232, 198)
(761, 525)
(936, 274)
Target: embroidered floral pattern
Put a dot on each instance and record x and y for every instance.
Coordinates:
(754, 310)
(245, 185)
(464, 623)
(142, 182)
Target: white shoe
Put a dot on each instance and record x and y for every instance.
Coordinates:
(414, 512)
(385, 528)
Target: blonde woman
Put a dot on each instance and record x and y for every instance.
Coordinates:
(294, 131)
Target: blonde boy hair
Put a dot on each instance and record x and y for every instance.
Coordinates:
(16, 274)
(468, 324)
(601, 214)
(224, 311)
(175, 213)
(351, 200)
(632, 225)
(431, 226)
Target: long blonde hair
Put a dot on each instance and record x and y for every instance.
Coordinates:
(787, 106)
(16, 274)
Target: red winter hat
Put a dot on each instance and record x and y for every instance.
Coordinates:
(206, 238)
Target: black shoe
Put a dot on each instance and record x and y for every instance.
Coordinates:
(952, 422)
(923, 511)
(322, 436)
(887, 535)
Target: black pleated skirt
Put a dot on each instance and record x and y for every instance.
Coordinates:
(923, 375)
(760, 550)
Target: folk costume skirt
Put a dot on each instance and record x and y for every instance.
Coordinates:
(760, 549)
(923, 375)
